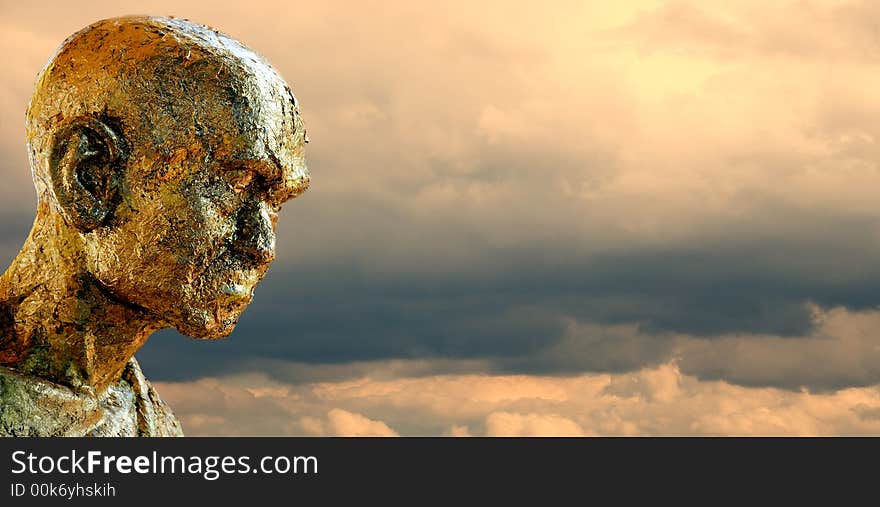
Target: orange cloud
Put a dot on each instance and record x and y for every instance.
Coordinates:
(506, 424)
(652, 401)
(448, 138)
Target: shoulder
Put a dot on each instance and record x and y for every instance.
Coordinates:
(154, 416)
(34, 407)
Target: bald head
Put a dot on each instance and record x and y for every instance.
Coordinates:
(162, 151)
(167, 85)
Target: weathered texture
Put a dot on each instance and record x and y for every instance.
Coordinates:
(34, 407)
(161, 152)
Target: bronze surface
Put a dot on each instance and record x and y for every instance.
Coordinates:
(162, 152)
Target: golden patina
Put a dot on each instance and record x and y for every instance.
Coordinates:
(161, 151)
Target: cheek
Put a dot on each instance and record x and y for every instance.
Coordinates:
(169, 246)
(200, 230)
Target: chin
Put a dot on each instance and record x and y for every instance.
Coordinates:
(207, 334)
(206, 325)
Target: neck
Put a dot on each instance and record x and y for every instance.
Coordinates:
(57, 321)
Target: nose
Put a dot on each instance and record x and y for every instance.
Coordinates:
(256, 235)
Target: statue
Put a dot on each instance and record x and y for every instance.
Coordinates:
(161, 151)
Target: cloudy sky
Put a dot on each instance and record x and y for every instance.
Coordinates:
(613, 218)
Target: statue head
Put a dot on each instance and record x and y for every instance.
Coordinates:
(162, 152)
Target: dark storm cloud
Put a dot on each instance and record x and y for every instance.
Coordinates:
(518, 316)
(553, 191)
(13, 231)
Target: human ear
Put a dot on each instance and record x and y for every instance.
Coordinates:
(85, 169)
